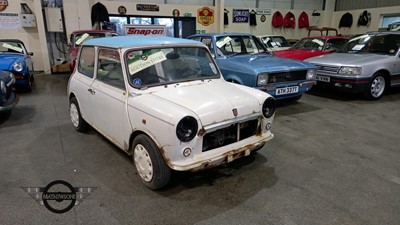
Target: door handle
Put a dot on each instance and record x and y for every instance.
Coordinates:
(91, 91)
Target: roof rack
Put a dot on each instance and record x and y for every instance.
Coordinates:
(322, 30)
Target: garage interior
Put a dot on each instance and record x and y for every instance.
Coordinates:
(334, 158)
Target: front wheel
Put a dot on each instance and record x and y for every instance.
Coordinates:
(376, 87)
(150, 164)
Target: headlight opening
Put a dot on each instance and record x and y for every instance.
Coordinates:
(186, 129)
(18, 66)
(268, 108)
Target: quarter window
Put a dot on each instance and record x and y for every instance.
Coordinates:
(86, 61)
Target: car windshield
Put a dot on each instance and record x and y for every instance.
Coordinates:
(160, 66)
(234, 45)
(79, 38)
(310, 44)
(275, 41)
(11, 47)
(387, 44)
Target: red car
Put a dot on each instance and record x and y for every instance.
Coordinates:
(313, 46)
(77, 37)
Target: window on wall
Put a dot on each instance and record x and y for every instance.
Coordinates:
(145, 20)
(386, 20)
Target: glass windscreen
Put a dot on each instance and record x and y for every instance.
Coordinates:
(310, 44)
(387, 44)
(275, 42)
(160, 66)
(234, 45)
(11, 47)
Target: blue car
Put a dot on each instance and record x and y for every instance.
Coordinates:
(16, 59)
(243, 59)
(8, 99)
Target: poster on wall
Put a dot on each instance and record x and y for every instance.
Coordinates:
(145, 30)
(240, 15)
(205, 16)
(9, 21)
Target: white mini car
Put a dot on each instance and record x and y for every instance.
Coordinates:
(163, 100)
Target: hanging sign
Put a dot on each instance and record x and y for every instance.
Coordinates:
(9, 21)
(263, 11)
(122, 10)
(145, 30)
(205, 16)
(240, 16)
(147, 7)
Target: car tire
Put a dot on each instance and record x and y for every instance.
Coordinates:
(376, 87)
(76, 118)
(149, 163)
(28, 86)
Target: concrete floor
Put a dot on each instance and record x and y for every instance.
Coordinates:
(334, 160)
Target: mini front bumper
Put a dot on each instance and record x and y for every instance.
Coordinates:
(10, 103)
(219, 159)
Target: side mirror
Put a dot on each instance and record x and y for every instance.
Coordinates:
(30, 53)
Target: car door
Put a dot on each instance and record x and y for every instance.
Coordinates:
(108, 97)
(84, 79)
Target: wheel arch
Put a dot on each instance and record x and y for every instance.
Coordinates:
(136, 133)
(386, 75)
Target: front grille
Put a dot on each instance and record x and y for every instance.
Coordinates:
(330, 69)
(229, 135)
(287, 76)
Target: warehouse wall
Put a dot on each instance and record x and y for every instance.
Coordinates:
(376, 19)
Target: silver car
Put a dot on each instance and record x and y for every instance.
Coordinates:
(368, 63)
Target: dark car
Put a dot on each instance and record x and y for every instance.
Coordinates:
(243, 59)
(15, 59)
(8, 99)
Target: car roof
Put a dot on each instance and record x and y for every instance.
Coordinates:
(137, 41)
(93, 31)
(221, 34)
(326, 37)
(12, 40)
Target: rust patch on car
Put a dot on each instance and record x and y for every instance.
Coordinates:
(201, 132)
(144, 121)
(166, 159)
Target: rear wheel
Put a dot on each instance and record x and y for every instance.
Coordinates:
(150, 164)
(376, 87)
(75, 115)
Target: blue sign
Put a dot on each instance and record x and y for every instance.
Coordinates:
(240, 15)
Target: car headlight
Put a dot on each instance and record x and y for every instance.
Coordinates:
(3, 87)
(18, 66)
(268, 108)
(186, 129)
(262, 79)
(350, 70)
(310, 74)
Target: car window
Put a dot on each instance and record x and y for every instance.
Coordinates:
(11, 47)
(159, 66)
(310, 44)
(234, 45)
(335, 44)
(387, 44)
(86, 61)
(208, 42)
(109, 69)
(275, 42)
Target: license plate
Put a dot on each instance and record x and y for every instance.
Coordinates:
(323, 78)
(287, 90)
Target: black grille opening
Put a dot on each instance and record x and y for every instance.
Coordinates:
(229, 135)
(287, 76)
